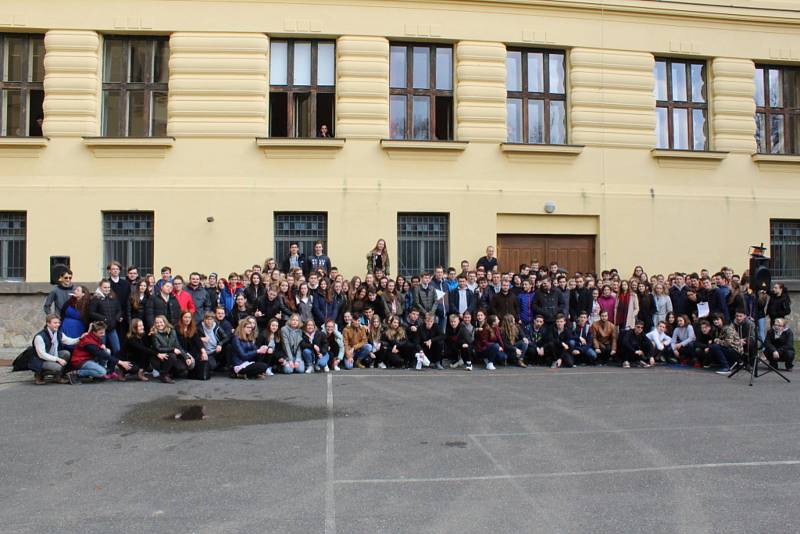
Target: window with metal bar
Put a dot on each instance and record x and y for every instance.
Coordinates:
(12, 245)
(135, 86)
(422, 242)
(304, 228)
(421, 91)
(128, 238)
(21, 85)
(777, 109)
(785, 248)
(302, 79)
(681, 107)
(537, 96)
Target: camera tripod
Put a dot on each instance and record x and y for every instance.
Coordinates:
(759, 359)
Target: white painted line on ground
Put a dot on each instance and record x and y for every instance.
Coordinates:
(466, 374)
(8, 385)
(330, 503)
(565, 474)
(624, 430)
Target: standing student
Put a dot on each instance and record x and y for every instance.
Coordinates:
(255, 290)
(75, 313)
(779, 305)
(200, 296)
(162, 303)
(647, 306)
(60, 293)
(294, 260)
(304, 303)
(137, 301)
(378, 258)
(488, 262)
(52, 356)
(314, 347)
(121, 287)
(317, 261)
(246, 358)
(166, 276)
(240, 310)
(105, 307)
(185, 299)
(608, 302)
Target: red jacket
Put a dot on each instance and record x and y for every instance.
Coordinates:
(186, 301)
(486, 337)
(80, 355)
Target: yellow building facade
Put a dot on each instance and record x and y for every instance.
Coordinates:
(662, 208)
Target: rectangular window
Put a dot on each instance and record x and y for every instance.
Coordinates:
(537, 96)
(135, 86)
(422, 240)
(785, 248)
(21, 85)
(681, 107)
(12, 245)
(305, 228)
(421, 91)
(777, 109)
(128, 238)
(302, 78)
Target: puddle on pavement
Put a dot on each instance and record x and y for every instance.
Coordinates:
(171, 414)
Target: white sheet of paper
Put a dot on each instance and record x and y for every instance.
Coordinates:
(439, 294)
(702, 309)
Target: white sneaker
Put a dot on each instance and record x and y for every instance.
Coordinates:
(381, 365)
(269, 372)
(336, 367)
(490, 366)
(456, 365)
(155, 373)
(325, 369)
(425, 361)
(468, 367)
(419, 364)
(309, 370)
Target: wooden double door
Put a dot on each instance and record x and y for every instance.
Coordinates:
(572, 252)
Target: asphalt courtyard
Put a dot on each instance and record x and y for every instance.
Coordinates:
(517, 450)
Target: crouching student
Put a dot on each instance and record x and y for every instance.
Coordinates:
(271, 338)
(705, 335)
(560, 355)
(247, 360)
(661, 344)
(51, 357)
(432, 341)
(136, 347)
(91, 359)
(727, 346)
(635, 347)
(580, 342)
(356, 347)
(458, 343)
(604, 339)
(779, 344)
(314, 347)
(171, 360)
(683, 337)
(335, 344)
(536, 335)
(396, 350)
(291, 336)
(515, 344)
(214, 342)
(487, 346)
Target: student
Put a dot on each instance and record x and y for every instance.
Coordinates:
(214, 341)
(189, 338)
(746, 330)
(200, 297)
(704, 337)
(294, 260)
(228, 291)
(335, 344)
(304, 303)
(246, 358)
(60, 293)
(395, 350)
(525, 301)
(458, 343)
(162, 303)
(375, 303)
(581, 342)
(317, 261)
(514, 343)
(171, 360)
(105, 307)
(393, 302)
(378, 258)
(635, 347)
(240, 310)
(607, 302)
(779, 344)
(137, 301)
(779, 305)
(270, 337)
(255, 290)
(314, 348)
(661, 341)
(356, 346)
(75, 313)
(425, 295)
(580, 300)
(488, 262)
(90, 356)
(432, 342)
(487, 343)
(682, 343)
(679, 295)
(604, 339)
(538, 340)
(726, 348)
(291, 336)
(560, 355)
(547, 302)
(166, 276)
(51, 356)
(136, 348)
(594, 307)
(627, 307)
(505, 302)
(647, 307)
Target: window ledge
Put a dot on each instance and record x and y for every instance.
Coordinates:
(402, 144)
(129, 147)
(22, 147)
(706, 155)
(523, 148)
(287, 147)
(776, 158)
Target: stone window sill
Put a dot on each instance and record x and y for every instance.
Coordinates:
(776, 158)
(415, 149)
(129, 147)
(22, 147)
(558, 150)
(705, 155)
(286, 147)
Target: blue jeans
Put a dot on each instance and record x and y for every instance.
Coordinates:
(492, 354)
(363, 353)
(308, 357)
(586, 352)
(348, 364)
(91, 369)
(112, 341)
(287, 369)
(323, 360)
(724, 355)
(762, 329)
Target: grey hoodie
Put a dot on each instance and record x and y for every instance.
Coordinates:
(58, 296)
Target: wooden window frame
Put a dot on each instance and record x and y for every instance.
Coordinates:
(546, 96)
(290, 89)
(25, 87)
(785, 110)
(689, 105)
(410, 92)
(126, 87)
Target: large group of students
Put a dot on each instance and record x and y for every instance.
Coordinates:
(299, 314)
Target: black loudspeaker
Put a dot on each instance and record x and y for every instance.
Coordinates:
(58, 265)
(760, 275)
